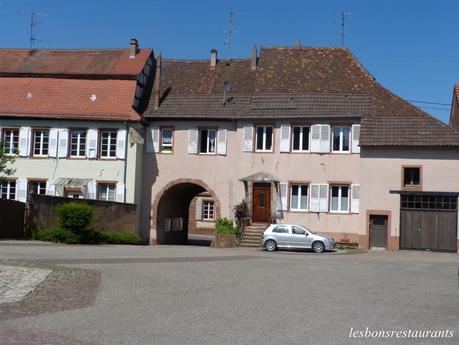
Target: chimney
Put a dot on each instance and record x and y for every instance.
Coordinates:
(157, 85)
(133, 48)
(213, 58)
(253, 64)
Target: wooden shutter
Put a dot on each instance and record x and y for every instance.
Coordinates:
(314, 204)
(315, 138)
(91, 143)
(193, 134)
(50, 188)
(120, 192)
(53, 133)
(63, 142)
(222, 138)
(92, 189)
(121, 144)
(324, 138)
(198, 209)
(355, 138)
(283, 189)
(355, 198)
(323, 196)
(24, 141)
(21, 190)
(284, 142)
(247, 145)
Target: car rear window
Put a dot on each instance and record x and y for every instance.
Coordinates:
(280, 230)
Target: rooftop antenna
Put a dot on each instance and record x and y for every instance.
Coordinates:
(229, 32)
(343, 19)
(33, 23)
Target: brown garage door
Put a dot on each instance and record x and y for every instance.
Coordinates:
(428, 222)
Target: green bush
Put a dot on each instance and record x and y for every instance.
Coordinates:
(225, 226)
(116, 237)
(74, 216)
(56, 234)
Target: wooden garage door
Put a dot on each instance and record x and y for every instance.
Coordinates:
(428, 222)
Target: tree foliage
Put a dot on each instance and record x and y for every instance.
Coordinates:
(6, 162)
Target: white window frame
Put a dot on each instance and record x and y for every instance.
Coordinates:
(41, 141)
(300, 187)
(79, 143)
(340, 191)
(111, 137)
(208, 143)
(341, 139)
(301, 138)
(163, 146)
(8, 189)
(9, 151)
(208, 208)
(264, 139)
(107, 186)
(38, 183)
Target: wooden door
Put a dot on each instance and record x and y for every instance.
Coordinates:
(261, 211)
(378, 231)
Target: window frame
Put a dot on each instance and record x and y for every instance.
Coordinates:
(161, 136)
(341, 139)
(264, 150)
(417, 187)
(11, 148)
(8, 189)
(292, 131)
(299, 184)
(99, 184)
(101, 131)
(41, 155)
(208, 145)
(30, 182)
(205, 215)
(340, 186)
(71, 131)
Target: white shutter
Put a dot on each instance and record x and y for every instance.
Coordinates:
(24, 141)
(324, 138)
(355, 138)
(92, 189)
(91, 143)
(193, 140)
(52, 151)
(121, 144)
(315, 138)
(247, 145)
(222, 138)
(63, 142)
(50, 188)
(283, 188)
(355, 198)
(323, 196)
(198, 209)
(314, 204)
(120, 192)
(21, 190)
(153, 140)
(284, 142)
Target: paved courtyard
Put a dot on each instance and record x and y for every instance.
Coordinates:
(197, 295)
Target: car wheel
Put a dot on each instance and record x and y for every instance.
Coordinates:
(270, 245)
(318, 247)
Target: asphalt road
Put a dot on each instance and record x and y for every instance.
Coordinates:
(199, 295)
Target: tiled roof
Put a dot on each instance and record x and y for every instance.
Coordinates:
(78, 62)
(68, 98)
(297, 82)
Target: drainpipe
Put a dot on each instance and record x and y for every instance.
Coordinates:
(125, 158)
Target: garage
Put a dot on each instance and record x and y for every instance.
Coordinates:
(428, 221)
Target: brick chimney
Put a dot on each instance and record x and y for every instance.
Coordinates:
(253, 63)
(157, 82)
(213, 58)
(133, 48)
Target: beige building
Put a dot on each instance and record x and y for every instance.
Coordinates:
(302, 135)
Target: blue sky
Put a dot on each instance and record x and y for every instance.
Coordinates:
(411, 47)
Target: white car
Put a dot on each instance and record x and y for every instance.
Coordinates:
(294, 236)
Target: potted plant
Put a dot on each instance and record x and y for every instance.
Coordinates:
(225, 233)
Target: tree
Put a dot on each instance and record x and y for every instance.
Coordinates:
(5, 163)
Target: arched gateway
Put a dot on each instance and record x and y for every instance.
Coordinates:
(170, 210)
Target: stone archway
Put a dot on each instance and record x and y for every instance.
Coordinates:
(170, 210)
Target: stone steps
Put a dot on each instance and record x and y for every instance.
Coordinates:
(252, 235)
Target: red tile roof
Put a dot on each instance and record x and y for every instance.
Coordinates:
(68, 98)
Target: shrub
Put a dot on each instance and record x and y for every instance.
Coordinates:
(116, 237)
(225, 226)
(74, 216)
(56, 234)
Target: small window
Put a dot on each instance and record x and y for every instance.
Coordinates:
(208, 142)
(296, 230)
(37, 187)
(8, 190)
(40, 142)
(108, 143)
(300, 139)
(299, 197)
(207, 210)
(339, 201)
(166, 140)
(78, 144)
(280, 230)
(10, 141)
(264, 139)
(341, 139)
(107, 191)
(412, 177)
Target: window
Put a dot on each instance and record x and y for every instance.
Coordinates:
(107, 191)
(78, 144)
(280, 230)
(37, 187)
(299, 197)
(300, 139)
(10, 141)
(108, 144)
(264, 139)
(40, 142)
(429, 202)
(412, 177)
(8, 190)
(207, 210)
(296, 230)
(208, 141)
(339, 199)
(341, 139)
(166, 140)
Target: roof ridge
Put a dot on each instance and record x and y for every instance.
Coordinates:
(302, 48)
(204, 60)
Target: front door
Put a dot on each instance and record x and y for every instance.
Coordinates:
(261, 202)
(378, 231)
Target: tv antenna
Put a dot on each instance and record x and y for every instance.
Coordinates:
(343, 20)
(229, 32)
(33, 23)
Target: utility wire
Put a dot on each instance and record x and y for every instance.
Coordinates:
(428, 102)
